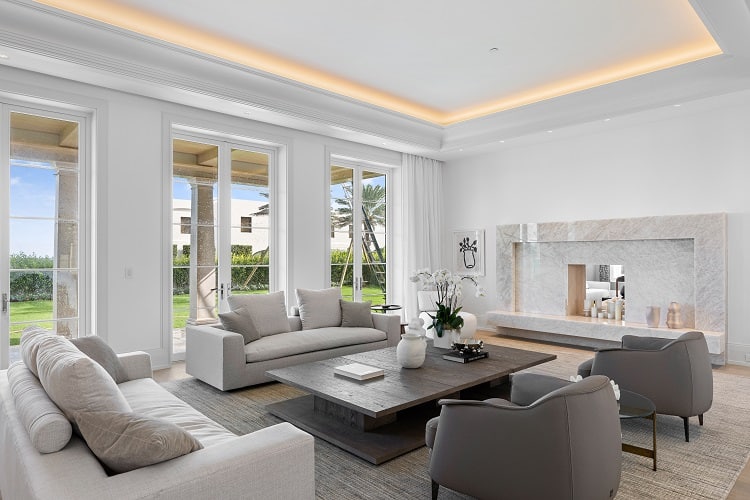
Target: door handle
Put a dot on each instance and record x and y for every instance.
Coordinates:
(5, 302)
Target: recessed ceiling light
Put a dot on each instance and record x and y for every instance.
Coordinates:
(607, 119)
(549, 131)
(676, 105)
(502, 142)
(494, 50)
(460, 149)
(4, 56)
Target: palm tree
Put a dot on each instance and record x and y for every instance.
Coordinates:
(373, 206)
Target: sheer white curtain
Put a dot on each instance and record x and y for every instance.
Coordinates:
(423, 191)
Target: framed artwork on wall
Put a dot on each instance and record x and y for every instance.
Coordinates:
(468, 251)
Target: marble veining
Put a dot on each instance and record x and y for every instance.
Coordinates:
(678, 258)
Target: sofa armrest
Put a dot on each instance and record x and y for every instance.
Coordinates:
(277, 462)
(390, 324)
(137, 364)
(215, 356)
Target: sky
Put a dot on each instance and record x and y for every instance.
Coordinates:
(32, 194)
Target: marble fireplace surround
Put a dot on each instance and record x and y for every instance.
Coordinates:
(667, 258)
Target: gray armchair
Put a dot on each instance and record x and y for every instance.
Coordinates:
(564, 444)
(673, 373)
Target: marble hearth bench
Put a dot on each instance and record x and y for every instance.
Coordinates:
(605, 332)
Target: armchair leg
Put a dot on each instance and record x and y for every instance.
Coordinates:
(687, 429)
(435, 488)
(700, 419)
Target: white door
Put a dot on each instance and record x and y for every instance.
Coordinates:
(221, 236)
(359, 231)
(41, 225)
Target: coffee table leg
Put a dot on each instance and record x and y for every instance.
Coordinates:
(653, 419)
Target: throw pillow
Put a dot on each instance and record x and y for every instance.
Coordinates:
(98, 350)
(126, 441)
(30, 339)
(356, 314)
(319, 308)
(74, 381)
(240, 321)
(268, 311)
(48, 428)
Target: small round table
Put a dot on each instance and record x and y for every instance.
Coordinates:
(634, 405)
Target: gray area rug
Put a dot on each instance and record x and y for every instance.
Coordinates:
(706, 467)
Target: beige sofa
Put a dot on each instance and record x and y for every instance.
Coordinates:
(222, 359)
(275, 462)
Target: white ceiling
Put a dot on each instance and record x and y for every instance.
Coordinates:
(365, 70)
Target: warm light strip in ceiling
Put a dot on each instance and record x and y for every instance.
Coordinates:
(169, 31)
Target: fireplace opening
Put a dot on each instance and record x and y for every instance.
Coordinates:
(590, 284)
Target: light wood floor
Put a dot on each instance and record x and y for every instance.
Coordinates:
(741, 490)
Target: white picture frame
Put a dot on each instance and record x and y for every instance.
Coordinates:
(468, 252)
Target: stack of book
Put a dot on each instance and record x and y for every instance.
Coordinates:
(466, 356)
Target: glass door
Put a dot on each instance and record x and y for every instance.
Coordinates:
(40, 225)
(221, 231)
(359, 235)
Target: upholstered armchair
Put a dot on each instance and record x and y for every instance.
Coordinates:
(673, 373)
(553, 439)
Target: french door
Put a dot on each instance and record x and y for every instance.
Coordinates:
(221, 227)
(42, 230)
(359, 230)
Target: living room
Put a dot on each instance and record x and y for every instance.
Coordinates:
(667, 143)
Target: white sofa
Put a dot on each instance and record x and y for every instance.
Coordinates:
(222, 359)
(275, 462)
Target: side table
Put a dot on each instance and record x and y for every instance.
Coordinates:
(633, 405)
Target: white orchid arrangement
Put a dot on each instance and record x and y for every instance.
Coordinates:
(449, 289)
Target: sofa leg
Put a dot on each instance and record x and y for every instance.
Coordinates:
(700, 419)
(687, 429)
(435, 488)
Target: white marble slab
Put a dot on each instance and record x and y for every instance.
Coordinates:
(602, 329)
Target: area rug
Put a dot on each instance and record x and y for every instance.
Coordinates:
(704, 468)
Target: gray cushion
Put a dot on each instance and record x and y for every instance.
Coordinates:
(126, 441)
(30, 339)
(240, 321)
(98, 350)
(267, 310)
(319, 308)
(74, 381)
(48, 428)
(356, 314)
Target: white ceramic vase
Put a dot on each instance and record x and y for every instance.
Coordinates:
(653, 316)
(410, 351)
(446, 341)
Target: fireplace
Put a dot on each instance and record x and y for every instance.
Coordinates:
(668, 259)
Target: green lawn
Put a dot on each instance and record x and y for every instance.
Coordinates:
(40, 311)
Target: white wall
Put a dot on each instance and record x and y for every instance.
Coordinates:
(678, 160)
(130, 176)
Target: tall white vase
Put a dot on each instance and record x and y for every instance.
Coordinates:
(653, 316)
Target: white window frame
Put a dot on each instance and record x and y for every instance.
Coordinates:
(86, 234)
(225, 141)
(358, 163)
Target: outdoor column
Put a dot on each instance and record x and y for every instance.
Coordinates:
(202, 255)
(65, 284)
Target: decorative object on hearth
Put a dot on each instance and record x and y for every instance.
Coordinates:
(674, 317)
(653, 316)
(410, 351)
(449, 288)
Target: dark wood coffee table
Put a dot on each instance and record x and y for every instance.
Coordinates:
(382, 418)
